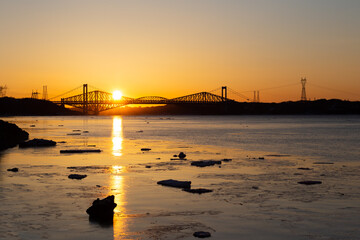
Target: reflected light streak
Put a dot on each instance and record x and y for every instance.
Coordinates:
(117, 189)
(117, 136)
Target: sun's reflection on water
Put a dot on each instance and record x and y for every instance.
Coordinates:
(117, 181)
(117, 189)
(117, 136)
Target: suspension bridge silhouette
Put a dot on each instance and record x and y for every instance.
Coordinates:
(94, 102)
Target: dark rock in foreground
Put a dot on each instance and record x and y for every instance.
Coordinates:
(145, 149)
(197, 190)
(80, 151)
(227, 160)
(205, 163)
(37, 143)
(202, 234)
(102, 210)
(278, 155)
(175, 183)
(310, 182)
(13, 169)
(77, 176)
(182, 155)
(11, 135)
(304, 168)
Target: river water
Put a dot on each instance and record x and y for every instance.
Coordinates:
(255, 196)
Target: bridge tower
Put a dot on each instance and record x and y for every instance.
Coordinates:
(85, 98)
(256, 96)
(303, 91)
(45, 94)
(224, 93)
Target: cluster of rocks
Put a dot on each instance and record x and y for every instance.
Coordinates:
(184, 185)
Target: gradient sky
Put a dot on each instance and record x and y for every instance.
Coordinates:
(173, 48)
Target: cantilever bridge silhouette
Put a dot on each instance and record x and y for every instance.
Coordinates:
(97, 101)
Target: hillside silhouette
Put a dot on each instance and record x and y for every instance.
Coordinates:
(27, 106)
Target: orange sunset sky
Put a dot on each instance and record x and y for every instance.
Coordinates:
(173, 48)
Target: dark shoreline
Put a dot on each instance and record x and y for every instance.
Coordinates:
(318, 107)
(31, 107)
(35, 107)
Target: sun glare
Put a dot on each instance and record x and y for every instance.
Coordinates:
(117, 95)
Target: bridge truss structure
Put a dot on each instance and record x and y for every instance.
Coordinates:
(97, 101)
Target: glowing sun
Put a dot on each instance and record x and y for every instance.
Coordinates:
(117, 95)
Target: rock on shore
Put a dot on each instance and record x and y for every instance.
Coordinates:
(175, 183)
(310, 182)
(197, 190)
(205, 163)
(11, 135)
(77, 176)
(37, 143)
(202, 234)
(102, 210)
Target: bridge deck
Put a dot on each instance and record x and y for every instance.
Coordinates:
(97, 101)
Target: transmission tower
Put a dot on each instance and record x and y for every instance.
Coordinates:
(256, 96)
(303, 91)
(35, 94)
(3, 91)
(44, 94)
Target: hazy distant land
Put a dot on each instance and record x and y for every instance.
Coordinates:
(26, 106)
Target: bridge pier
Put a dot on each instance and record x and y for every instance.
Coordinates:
(85, 99)
(224, 93)
(96, 107)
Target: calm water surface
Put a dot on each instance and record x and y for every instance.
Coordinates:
(252, 198)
